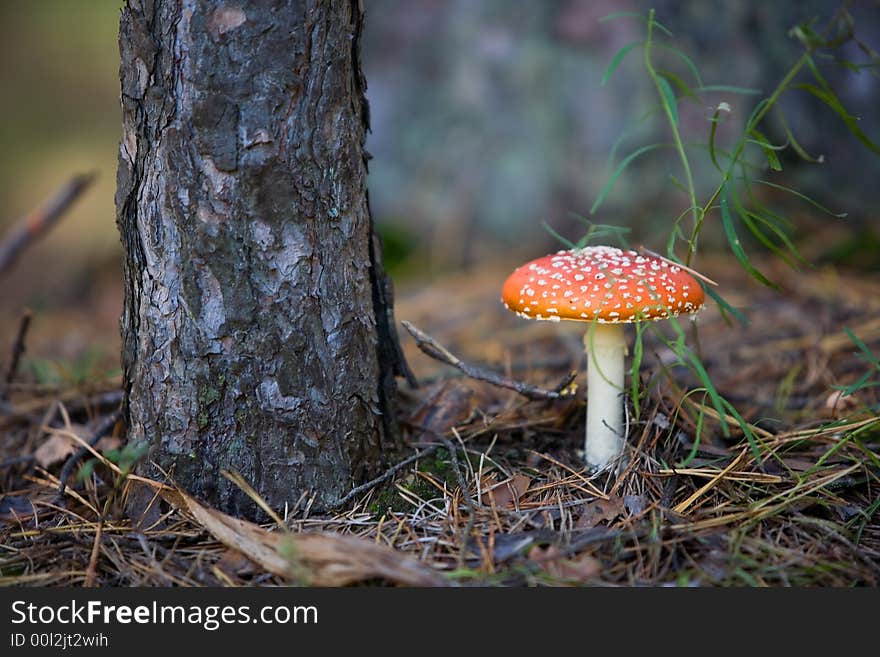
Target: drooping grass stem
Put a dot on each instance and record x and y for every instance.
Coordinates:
(672, 116)
(753, 122)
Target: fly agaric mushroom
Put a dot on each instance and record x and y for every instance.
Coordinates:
(607, 287)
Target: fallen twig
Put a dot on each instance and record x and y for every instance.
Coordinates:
(435, 350)
(469, 502)
(92, 568)
(694, 272)
(386, 476)
(37, 223)
(74, 400)
(102, 430)
(17, 350)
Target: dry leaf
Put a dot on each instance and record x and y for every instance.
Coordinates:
(508, 492)
(319, 559)
(579, 568)
(450, 404)
(233, 562)
(600, 510)
(60, 445)
(57, 448)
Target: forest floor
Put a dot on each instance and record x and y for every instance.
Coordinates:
(490, 487)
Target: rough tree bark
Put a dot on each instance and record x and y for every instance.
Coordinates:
(257, 328)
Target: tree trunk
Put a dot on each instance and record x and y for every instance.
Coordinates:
(257, 328)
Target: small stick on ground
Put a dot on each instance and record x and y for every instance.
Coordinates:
(92, 568)
(17, 351)
(102, 430)
(462, 486)
(36, 224)
(386, 476)
(693, 272)
(74, 401)
(435, 350)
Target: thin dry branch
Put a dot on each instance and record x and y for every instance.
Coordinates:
(36, 224)
(102, 430)
(384, 477)
(17, 350)
(435, 350)
(465, 534)
(807, 517)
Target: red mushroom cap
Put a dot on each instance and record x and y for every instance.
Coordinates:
(601, 283)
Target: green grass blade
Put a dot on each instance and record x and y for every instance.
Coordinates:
(675, 234)
(830, 99)
(751, 222)
(761, 138)
(669, 100)
(703, 375)
(681, 85)
(568, 243)
(620, 167)
(866, 519)
(759, 108)
(687, 60)
(723, 306)
(768, 148)
(795, 144)
(698, 433)
(784, 239)
(617, 59)
(855, 67)
(677, 183)
(640, 124)
(599, 231)
(808, 37)
(839, 215)
(778, 225)
(726, 88)
(752, 121)
(746, 429)
(636, 365)
(826, 94)
(778, 220)
(736, 245)
(662, 28)
(862, 347)
(690, 359)
(864, 381)
(715, 119)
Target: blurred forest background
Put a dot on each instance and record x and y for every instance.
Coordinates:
(488, 118)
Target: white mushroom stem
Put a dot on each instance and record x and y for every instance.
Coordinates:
(606, 348)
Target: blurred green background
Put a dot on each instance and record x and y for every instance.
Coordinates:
(488, 117)
(59, 116)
